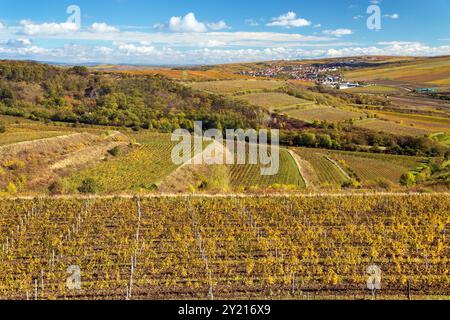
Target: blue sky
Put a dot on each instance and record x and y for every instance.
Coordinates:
(218, 31)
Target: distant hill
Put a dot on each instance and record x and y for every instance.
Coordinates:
(78, 94)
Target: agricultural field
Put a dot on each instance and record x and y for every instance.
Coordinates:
(141, 169)
(326, 171)
(424, 122)
(420, 103)
(428, 71)
(390, 127)
(375, 89)
(237, 86)
(323, 114)
(368, 167)
(16, 136)
(275, 101)
(245, 176)
(162, 248)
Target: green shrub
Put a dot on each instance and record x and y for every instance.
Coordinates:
(408, 179)
(114, 151)
(11, 188)
(88, 186)
(2, 127)
(56, 188)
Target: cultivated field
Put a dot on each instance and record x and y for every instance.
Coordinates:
(371, 167)
(275, 101)
(323, 114)
(430, 123)
(245, 176)
(237, 86)
(375, 89)
(391, 127)
(141, 169)
(225, 248)
(430, 71)
(326, 171)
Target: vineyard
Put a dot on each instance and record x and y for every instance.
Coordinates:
(141, 169)
(326, 171)
(275, 101)
(249, 175)
(225, 247)
(324, 114)
(391, 127)
(236, 86)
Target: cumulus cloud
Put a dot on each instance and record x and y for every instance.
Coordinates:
(289, 20)
(190, 24)
(215, 26)
(338, 32)
(32, 29)
(2, 26)
(103, 28)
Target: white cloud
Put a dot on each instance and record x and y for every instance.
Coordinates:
(212, 44)
(338, 32)
(2, 26)
(20, 42)
(132, 49)
(318, 25)
(393, 16)
(188, 23)
(144, 53)
(289, 20)
(32, 29)
(103, 28)
(215, 26)
(393, 48)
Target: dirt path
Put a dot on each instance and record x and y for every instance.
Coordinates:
(339, 167)
(306, 170)
(187, 172)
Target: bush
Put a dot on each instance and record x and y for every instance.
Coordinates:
(408, 179)
(203, 185)
(14, 164)
(11, 188)
(114, 151)
(56, 188)
(2, 127)
(351, 184)
(380, 183)
(88, 186)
